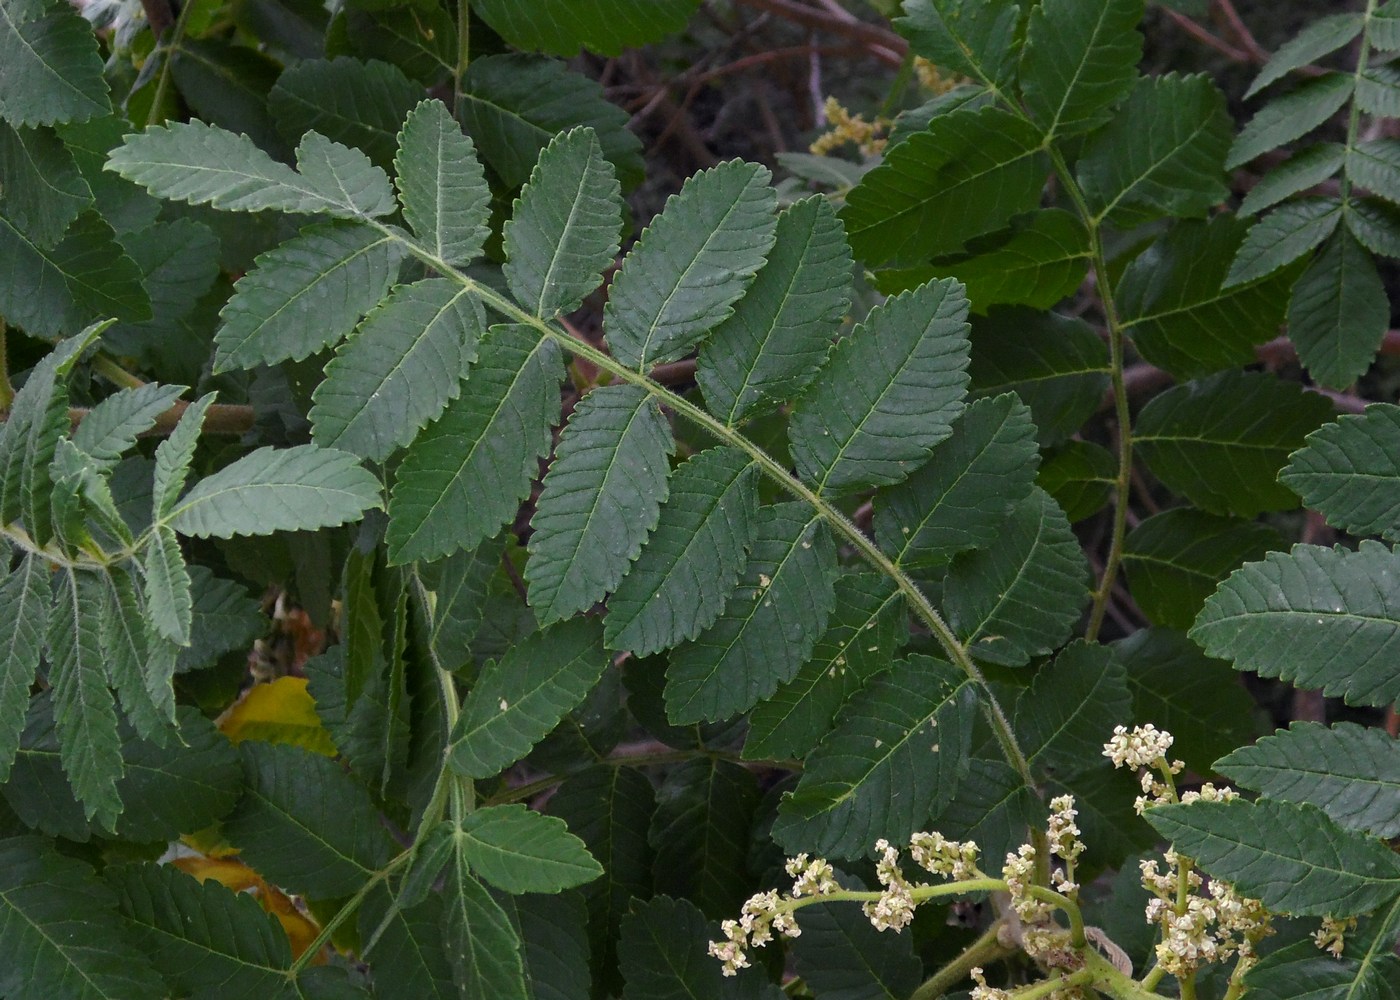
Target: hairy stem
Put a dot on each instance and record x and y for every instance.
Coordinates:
(982, 952)
(1363, 56)
(464, 29)
(352, 905)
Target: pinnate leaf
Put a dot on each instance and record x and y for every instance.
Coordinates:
(43, 190)
(769, 625)
(896, 755)
(663, 957)
(1062, 717)
(53, 70)
(1304, 169)
(291, 489)
(976, 38)
(1289, 117)
(520, 698)
(482, 948)
(889, 393)
(357, 103)
(1021, 597)
(700, 833)
(1339, 312)
(1351, 773)
(564, 232)
(690, 564)
(305, 294)
(111, 427)
(399, 370)
(519, 850)
(1080, 59)
(1291, 857)
(780, 332)
(24, 605)
(1323, 36)
(465, 475)
(1350, 472)
(1282, 236)
(1221, 441)
(1313, 616)
(601, 498)
(692, 263)
(441, 185)
(60, 933)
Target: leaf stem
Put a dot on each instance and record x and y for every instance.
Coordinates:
(982, 952)
(165, 48)
(464, 30)
(345, 912)
(1363, 56)
(773, 469)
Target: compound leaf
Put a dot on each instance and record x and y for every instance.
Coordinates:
(1287, 118)
(53, 70)
(1080, 59)
(1339, 312)
(1350, 472)
(519, 850)
(1062, 717)
(441, 185)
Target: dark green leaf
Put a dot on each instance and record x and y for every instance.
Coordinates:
(410, 953)
(1304, 169)
(1313, 616)
(519, 699)
(601, 498)
(482, 947)
(135, 668)
(1350, 472)
(959, 498)
(889, 393)
(683, 275)
(700, 834)
(843, 957)
(1321, 37)
(351, 102)
(977, 38)
(304, 823)
(1287, 118)
(1080, 58)
(466, 474)
(1020, 598)
(553, 931)
(24, 605)
(564, 232)
(1284, 235)
(896, 755)
(1376, 165)
(441, 185)
(1176, 559)
(1376, 224)
(53, 71)
(1352, 774)
(780, 331)
(663, 957)
(1339, 312)
(1378, 90)
(1070, 709)
(111, 428)
(1291, 857)
(169, 605)
(1303, 972)
(1079, 476)
(518, 850)
(43, 189)
(992, 807)
(769, 625)
(1221, 441)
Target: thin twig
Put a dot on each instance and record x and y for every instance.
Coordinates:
(882, 44)
(159, 15)
(1205, 37)
(1242, 33)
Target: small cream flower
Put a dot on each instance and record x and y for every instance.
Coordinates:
(1331, 936)
(1141, 747)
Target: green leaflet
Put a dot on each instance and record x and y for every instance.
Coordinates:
(270, 489)
(1057, 365)
(1079, 476)
(24, 605)
(1351, 773)
(53, 70)
(1174, 560)
(1062, 718)
(1131, 174)
(519, 850)
(1376, 224)
(1323, 36)
(1037, 264)
(460, 585)
(441, 185)
(135, 668)
(355, 103)
(966, 489)
(993, 806)
(1181, 690)
(601, 498)
(662, 956)
(780, 331)
(517, 700)
(83, 709)
(561, 27)
(1281, 237)
(1304, 169)
(769, 625)
(305, 294)
(111, 428)
(173, 458)
(1181, 312)
(43, 190)
(683, 275)
(1289, 117)
(1376, 165)
(168, 601)
(410, 951)
(969, 173)
(976, 38)
(466, 474)
(1350, 470)
(866, 628)
(399, 370)
(564, 231)
(1378, 91)
(610, 809)
(224, 617)
(513, 105)
(889, 393)
(206, 940)
(1291, 857)
(1020, 598)
(1314, 616)
(482, 948)
(688, 567)
(166, 790)
(304, 823)
(1278, 975)
(1221, 441)
(553, 931)
(60, 931)
(56, 291)
(206, 165)
(1080, 58)
(700, 834)
(1339, 312)
(843, 957)
(896, 755)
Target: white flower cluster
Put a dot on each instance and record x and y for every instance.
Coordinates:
(814, 876)
(1207, 927)
(761, 916)
(1141, 747)
(1063, 834)
(984, 992)
(1331, 936)
(894, 910)
(952, 859)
